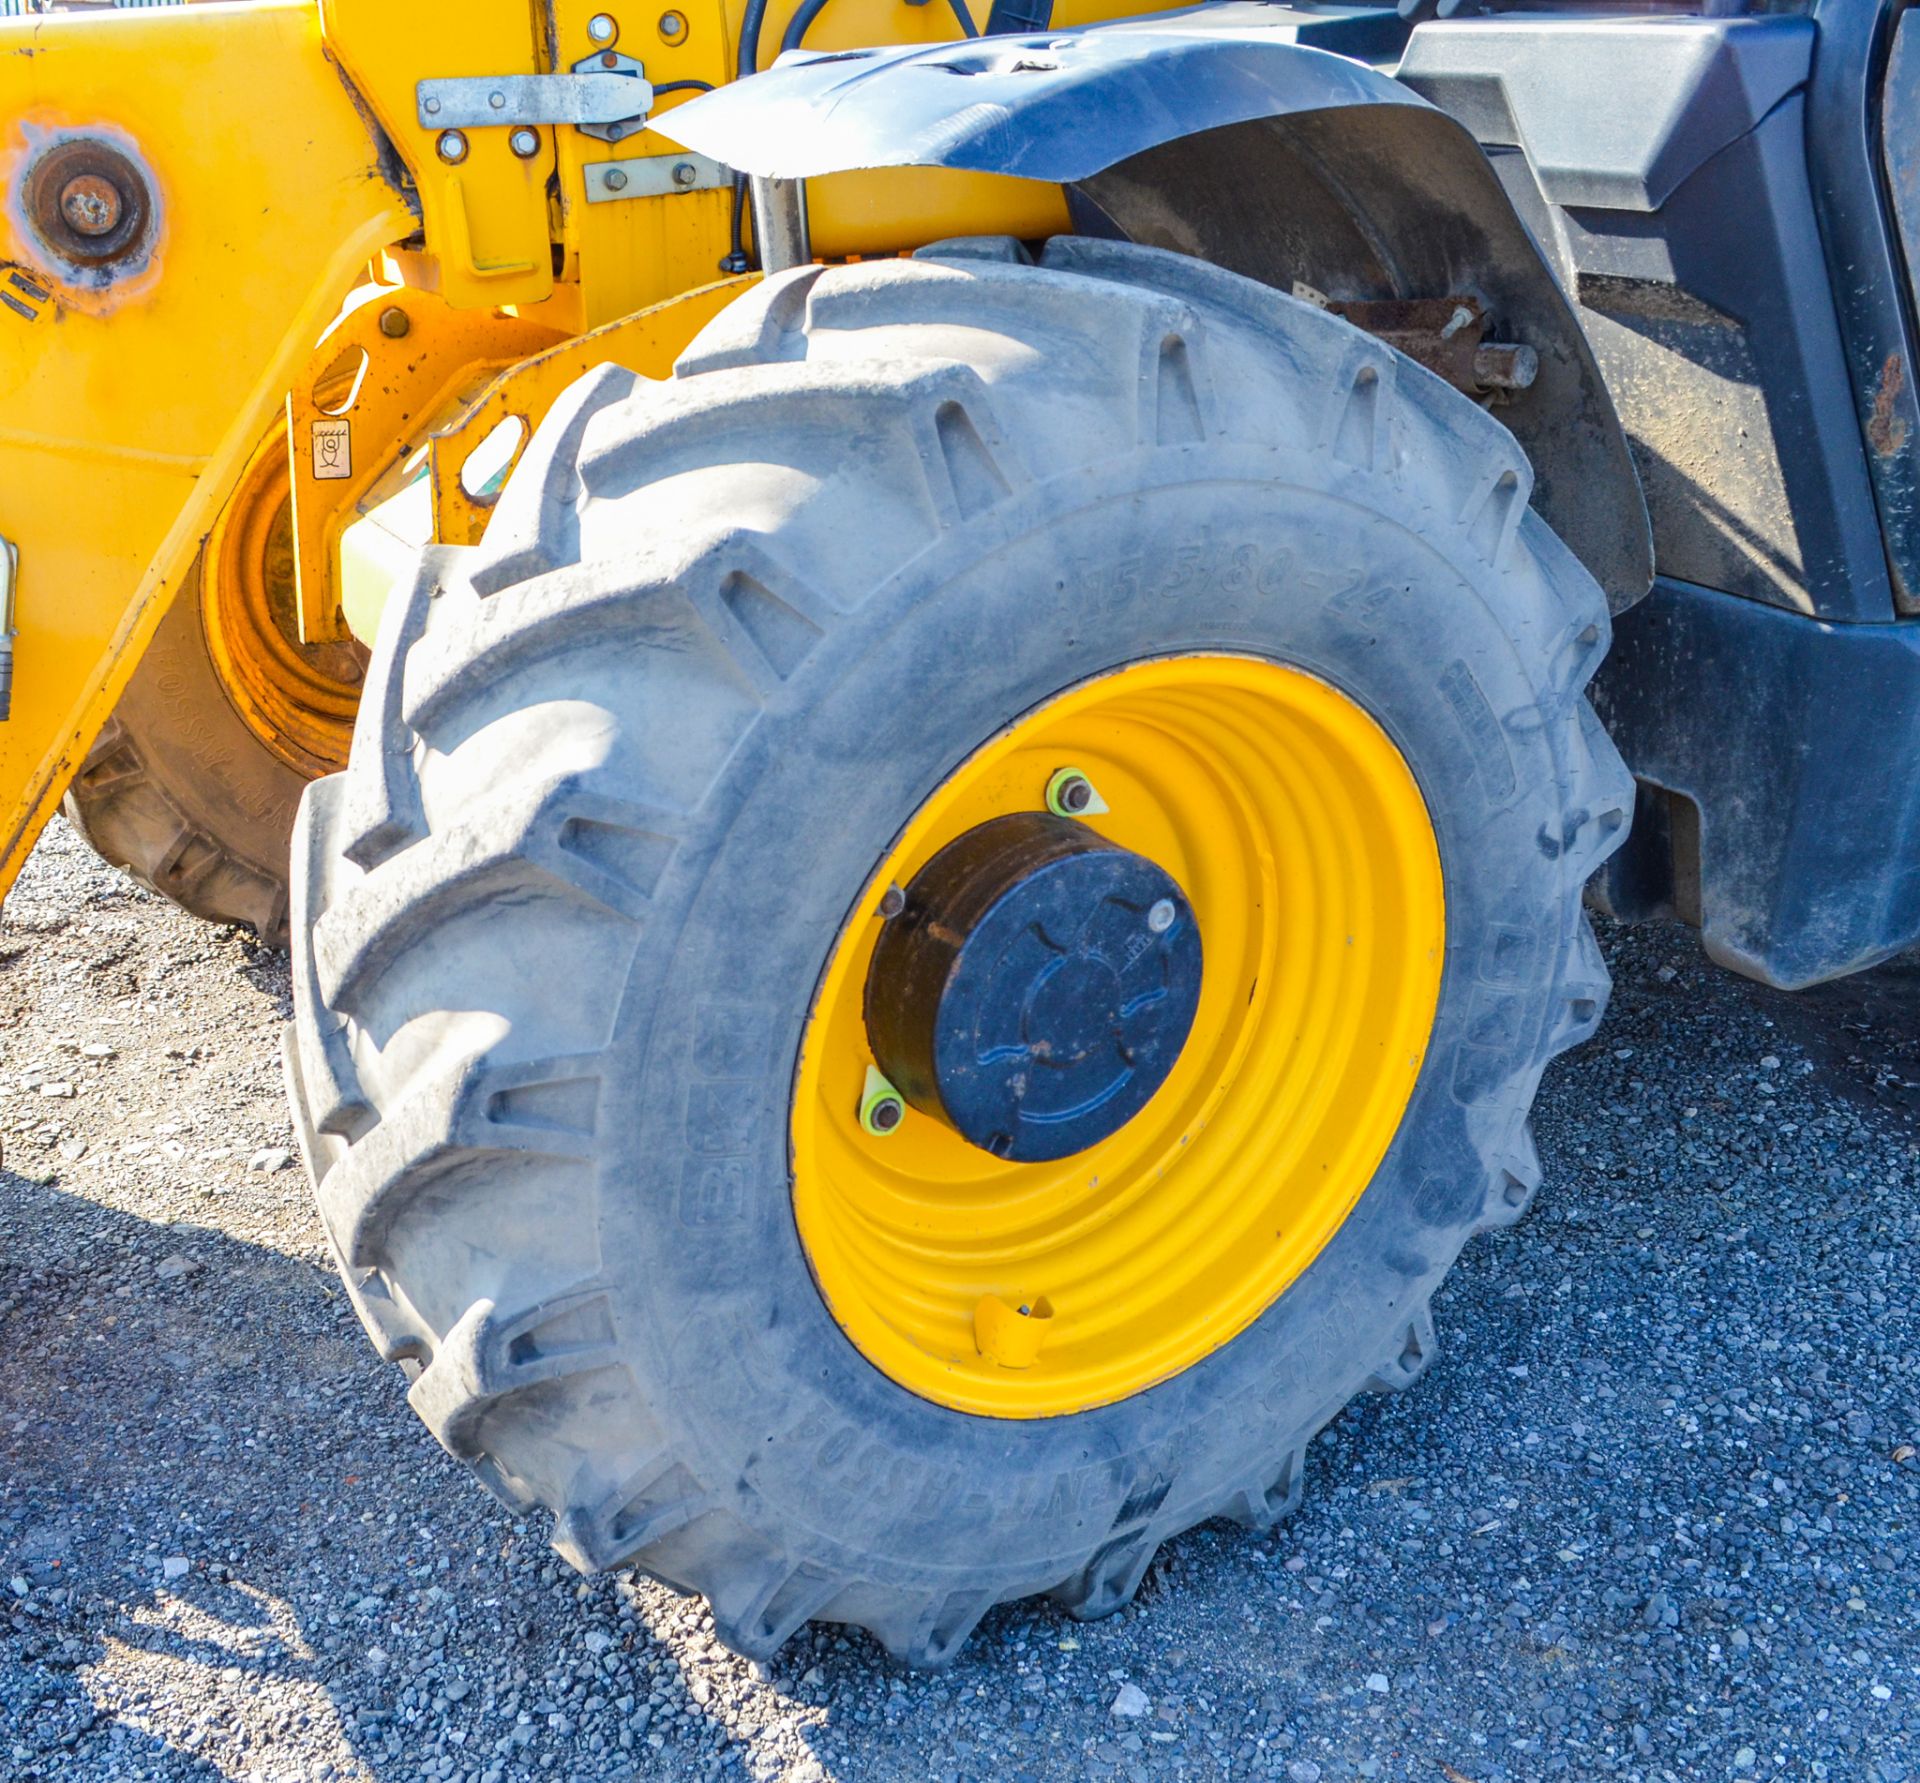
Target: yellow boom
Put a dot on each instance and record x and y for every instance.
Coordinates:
(189, 195)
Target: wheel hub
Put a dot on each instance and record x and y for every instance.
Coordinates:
(1298, 846)
(1036, 988)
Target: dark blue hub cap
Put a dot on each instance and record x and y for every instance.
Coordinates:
(1036, 987)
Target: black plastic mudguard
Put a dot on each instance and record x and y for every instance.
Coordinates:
(1216, 132)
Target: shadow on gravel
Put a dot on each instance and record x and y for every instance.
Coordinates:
(163, 1389)
(1654, 1513)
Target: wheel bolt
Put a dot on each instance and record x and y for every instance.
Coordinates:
(882, 1108)
(1071, 794)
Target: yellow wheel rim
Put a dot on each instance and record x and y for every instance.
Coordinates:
(1302, 841)
(298, 699)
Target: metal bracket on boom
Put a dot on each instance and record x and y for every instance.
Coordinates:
(606, 96)
(653, 176)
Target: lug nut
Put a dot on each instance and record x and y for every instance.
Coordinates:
(1071, 794)
(524, 142)
(395, 323)
(602, 29)
(91, 205)
(452, 147)
(882, 1107)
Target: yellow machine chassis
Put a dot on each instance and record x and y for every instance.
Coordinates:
(1303, 843)
(282, 155)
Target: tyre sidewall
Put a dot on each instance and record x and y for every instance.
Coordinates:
(1242, 551)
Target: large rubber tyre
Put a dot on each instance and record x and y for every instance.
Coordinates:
(624, 768)
(182, 794)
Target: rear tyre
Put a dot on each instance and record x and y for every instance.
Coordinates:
(567, 932)
(193, 782)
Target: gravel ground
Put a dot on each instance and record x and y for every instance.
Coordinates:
(1652, 1514)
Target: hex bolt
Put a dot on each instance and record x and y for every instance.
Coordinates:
(395, 323)
(452, 147)
(432, 107)
(91, 205)
(524, 142)
(685, 173)
(1500, 366)
(1071, 794)
(882, 1108)
(673, 27)
(498, 101)
(1160, 915)
(614, 179)
(602, 29)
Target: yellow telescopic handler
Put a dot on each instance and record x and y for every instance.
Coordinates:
(910, 679)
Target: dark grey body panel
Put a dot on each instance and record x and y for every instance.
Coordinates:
(1872, 283)
(1689, 237)
(1731, 244)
